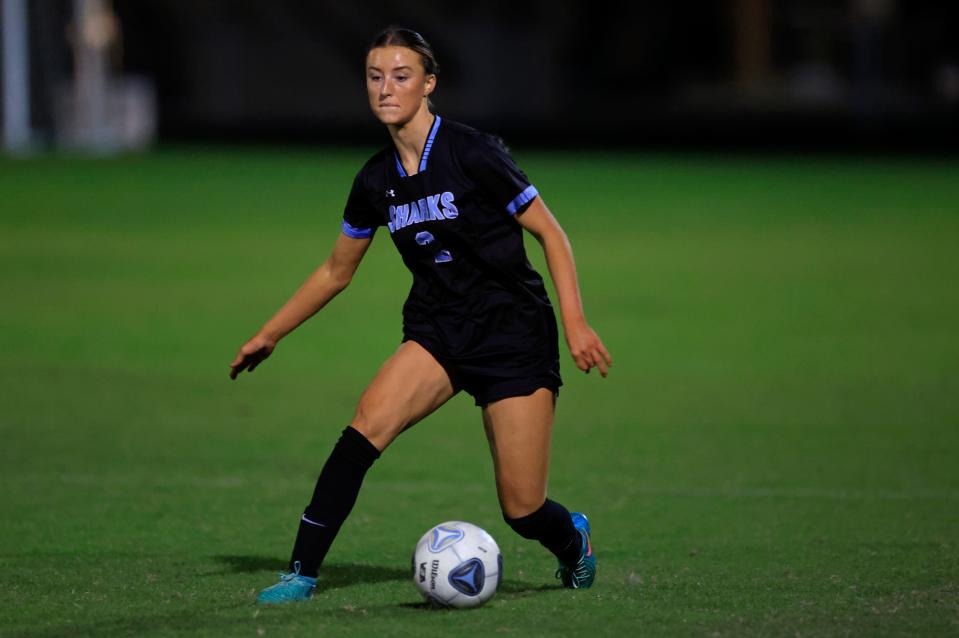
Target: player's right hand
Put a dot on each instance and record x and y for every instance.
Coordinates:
(251, 354)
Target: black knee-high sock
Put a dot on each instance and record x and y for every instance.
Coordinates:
(552, 526)
(333, 499)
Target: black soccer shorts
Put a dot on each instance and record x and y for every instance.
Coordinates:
(486, 381)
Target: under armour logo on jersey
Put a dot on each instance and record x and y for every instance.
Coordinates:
(391, 193)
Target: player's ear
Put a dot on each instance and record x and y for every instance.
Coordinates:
(430, 84)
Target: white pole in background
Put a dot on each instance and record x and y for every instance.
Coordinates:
(93, 35)
(16, 76)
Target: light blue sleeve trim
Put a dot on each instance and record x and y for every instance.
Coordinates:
(356, 233)
(522, 199)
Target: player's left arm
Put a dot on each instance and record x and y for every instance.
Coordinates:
(584, 344)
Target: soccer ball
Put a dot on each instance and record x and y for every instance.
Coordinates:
(457, 564)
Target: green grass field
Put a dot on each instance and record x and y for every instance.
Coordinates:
(776, 451)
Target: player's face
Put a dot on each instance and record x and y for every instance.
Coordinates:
(396, 83)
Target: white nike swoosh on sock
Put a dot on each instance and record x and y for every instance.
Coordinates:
(306, 520)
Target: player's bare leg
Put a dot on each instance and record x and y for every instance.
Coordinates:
(519, 431)
(407, 388)
(410, 386)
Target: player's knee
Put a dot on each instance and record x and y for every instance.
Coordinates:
(515, 506)
(378, 426)
(368, 424)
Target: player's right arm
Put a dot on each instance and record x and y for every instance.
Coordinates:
(326, 282)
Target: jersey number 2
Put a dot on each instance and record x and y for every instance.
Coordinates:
(440, 254)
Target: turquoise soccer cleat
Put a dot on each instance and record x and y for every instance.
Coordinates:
(291, 588)
(580, 575)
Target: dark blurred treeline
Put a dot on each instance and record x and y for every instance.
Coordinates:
(730, 73)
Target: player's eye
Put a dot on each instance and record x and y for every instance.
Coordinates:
(402, 78)
(375, 78)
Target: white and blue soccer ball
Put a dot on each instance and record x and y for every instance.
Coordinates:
(457, 564)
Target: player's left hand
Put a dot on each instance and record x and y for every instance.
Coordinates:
(587, 349)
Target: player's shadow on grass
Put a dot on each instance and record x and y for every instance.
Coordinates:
(336, 575)
(332, 575)
(250, 564)
(507, 589)
(517, 588)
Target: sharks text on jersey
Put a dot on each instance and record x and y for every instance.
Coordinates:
(439, 207)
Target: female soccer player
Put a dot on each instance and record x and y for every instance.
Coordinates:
(477, 318)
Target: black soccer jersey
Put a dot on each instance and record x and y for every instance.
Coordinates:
(475, 299)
